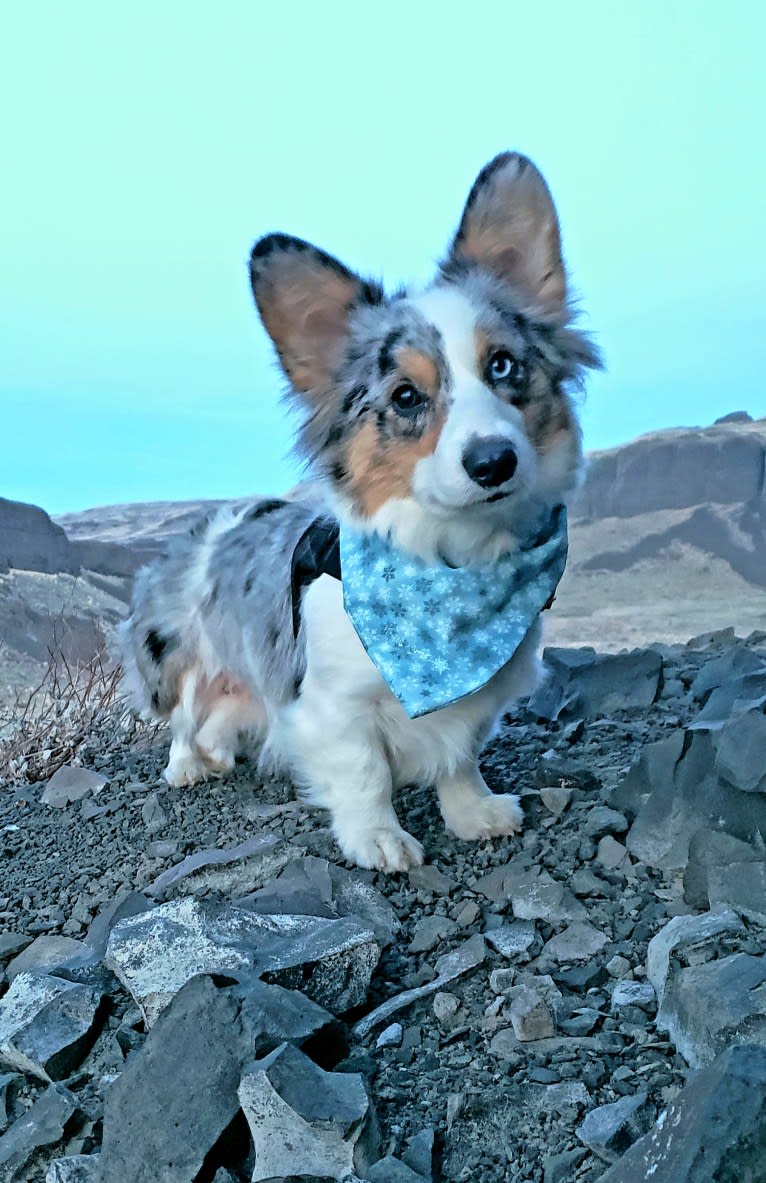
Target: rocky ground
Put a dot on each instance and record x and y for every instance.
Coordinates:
(194, 988)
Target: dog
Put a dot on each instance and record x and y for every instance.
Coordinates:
(441, 427)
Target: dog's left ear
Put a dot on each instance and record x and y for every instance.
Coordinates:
(305, 299)
(510, 227)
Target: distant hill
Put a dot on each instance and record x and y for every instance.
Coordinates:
(668, 540)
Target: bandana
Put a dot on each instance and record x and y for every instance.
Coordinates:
(438, 633)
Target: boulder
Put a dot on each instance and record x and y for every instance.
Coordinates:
(608, 1130)
(47, 1024)
(40, 1127)
(583, 683)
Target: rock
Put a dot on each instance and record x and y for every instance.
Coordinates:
(639, 994)
(7, 1080)
(419, 1153)
(449, 967)
(512, 939)
(429, 932)
(711, 848)
(445, 1006)
(707, 1007)
(741, 887)
(611, 854)
(618, 967)
(601, 820)
(680, 933)
(12, 943)
(735, 697)
(556, 798)
(530, 1015)
(78, 1168)
(390, 1037)
(583, 683)
(559, 1168)
(736, 662)
(741, 751)
(70, 784)
(430, 879)
(578, 942)
(41, 1126)
(608, 1130)
(155, 953)
(713, 1130)
(558, 1098)
(392, 1170)
(178, 1093)
(47, 1025)
(154, 816)
(229, 872)
(536, 896)
(305, 1121)
(46, 953)
(128, 904)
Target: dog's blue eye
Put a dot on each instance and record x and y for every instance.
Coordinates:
(502, 367)
(406, 400)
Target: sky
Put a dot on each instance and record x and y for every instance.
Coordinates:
(147, 145)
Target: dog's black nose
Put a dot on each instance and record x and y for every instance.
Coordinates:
(490, 462)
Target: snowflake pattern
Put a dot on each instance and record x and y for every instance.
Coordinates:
(438, 633)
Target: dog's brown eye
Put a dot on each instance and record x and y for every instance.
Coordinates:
(406, 400)
(503, 367)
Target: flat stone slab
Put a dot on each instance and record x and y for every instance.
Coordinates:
(70, 784)
(47, 1025)
(680, 933)
(583, 683)
(155, 953)
(305, 1121)
(229, 872)
(534, 894)
(42, 1125)
(608, 1130)
(714, 1129)
(707, 1007)
(46, 953)
(580, 941)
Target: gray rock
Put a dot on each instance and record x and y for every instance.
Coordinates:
(430, 879)
(711, 848)
(128, 904)
(707, 1007)
(392, 1170)
(155, 953)
(585, 684)
(7, 1081)
(639, 994)
(680, 933)
(512, 939)
(618, 967)
(47, 1025)
(273, 1014)
(78, 1168)
(429, 932)
(70, 784)
(445, 1006)
(601, 820)
(579, 941)
(41, 1126)
(449, 967)
(556, 798)
(741, 751)
(559, 1168)
(558, 1098)
(419, 1153)
(46, 953)
(609, 1130)
(178, 1093)
(390, 1037)
(611, 854)
(230, 872)
(736, 662)
(12, 943)
(530, 1015)
(733, 698)
(532, 892)
(713, 1131)
(305, 1121)
(741, 887)
(154, 816)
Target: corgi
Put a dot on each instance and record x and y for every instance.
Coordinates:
(439, 425)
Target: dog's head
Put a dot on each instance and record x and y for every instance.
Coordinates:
(446, 409)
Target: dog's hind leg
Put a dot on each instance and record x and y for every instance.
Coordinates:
(471, 810)
(230, 711)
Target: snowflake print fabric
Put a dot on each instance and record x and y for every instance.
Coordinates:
(438, 633)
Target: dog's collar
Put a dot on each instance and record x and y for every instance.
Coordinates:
(437, 633)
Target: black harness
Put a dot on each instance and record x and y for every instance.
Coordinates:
(316, 553)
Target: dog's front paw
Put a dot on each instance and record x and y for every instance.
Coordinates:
(183, 771)
(489, 817)
(380, 848)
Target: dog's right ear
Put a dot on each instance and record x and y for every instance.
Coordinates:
(305, 299)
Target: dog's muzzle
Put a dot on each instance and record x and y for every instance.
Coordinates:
(490, 462)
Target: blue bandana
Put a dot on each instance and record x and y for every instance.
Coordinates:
(437, 633)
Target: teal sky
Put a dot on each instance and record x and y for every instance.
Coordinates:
(146, 145)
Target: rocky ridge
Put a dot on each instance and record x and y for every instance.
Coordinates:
(194, 988)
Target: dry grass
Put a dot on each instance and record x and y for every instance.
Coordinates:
(71, 709)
